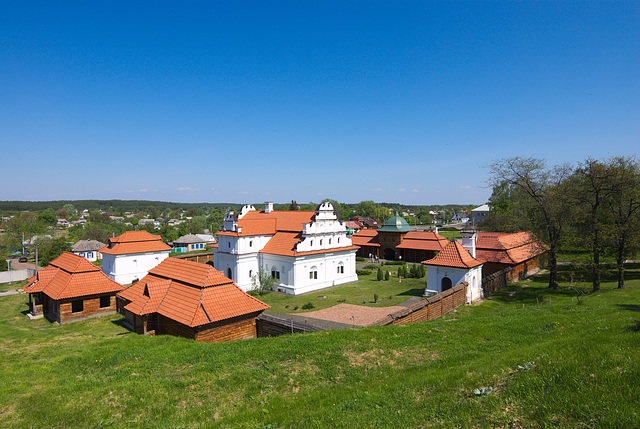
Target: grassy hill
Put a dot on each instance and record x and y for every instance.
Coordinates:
(548, 360)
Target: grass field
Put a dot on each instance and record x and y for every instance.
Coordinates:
(549, 361)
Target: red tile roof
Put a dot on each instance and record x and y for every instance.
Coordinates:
(508, 248)
(284, 243)
(454, 255)
(190, 293)
(71, 276)
(261, 223)
(423, 240)
(134, 242)
(366, 237)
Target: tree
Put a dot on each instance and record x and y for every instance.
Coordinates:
(379, 275)
(623, 209)
(386, 276)
(545, 195)
(62, 213)
(168, 233)
(48, 217)
(49, 249)
(262, 282)
(293, 206)
(591, 187)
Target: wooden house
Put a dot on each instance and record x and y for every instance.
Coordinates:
(71, 288)
(522, 251)
(191, 300)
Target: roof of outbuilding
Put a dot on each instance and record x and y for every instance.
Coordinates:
(87, 246)
(71, 276)
(190, 293)
(454, 255)
(134, 242)
(366, 237)
(508, 248)
(189, 239)
(423, 240)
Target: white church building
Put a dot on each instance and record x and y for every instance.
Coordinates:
(131, 255)
(302, 250)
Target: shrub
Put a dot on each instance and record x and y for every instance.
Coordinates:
(363, 272)
(386, 275)
(308, 306)
(396, 263)
(375, 297)
(379, 275)
(360, 259)
(370, 267)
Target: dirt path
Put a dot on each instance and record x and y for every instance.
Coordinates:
(358, 315)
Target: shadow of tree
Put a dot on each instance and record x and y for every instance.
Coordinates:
(629, 307)
(412, 292)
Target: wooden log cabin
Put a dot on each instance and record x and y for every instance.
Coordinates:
(191, 300)
(71, 288)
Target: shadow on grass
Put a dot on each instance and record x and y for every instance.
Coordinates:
(412, 292)
(123, 324)
(630, 307)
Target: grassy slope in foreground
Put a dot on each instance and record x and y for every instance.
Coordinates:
(586, 371)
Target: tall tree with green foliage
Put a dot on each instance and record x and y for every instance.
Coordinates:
(49, 249)
(379, 275)
(545, 194)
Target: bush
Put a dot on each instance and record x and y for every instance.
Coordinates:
(370, 267)
(396, 263)
(379, 275)
(375, 297)
(386, 275)
(308, 306)
(360, 259)
(363, 272)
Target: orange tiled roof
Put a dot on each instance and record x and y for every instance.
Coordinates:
(261, 223)
(134, 242)
(366, 237)
(284, 243)
(423, 240)
(508, 248)
(71, 276)
(187, 297)
(454, 255)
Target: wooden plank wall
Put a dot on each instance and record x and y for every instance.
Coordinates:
(91, 308)
(196, 257)
(238, 328)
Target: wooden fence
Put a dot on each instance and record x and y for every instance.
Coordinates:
(271, 326)
(196, 257)
(497, 280)
(429, 308)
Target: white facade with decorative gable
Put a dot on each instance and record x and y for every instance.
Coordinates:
(302, 251)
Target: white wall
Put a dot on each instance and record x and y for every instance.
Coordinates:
(473, 276)
(124, 269)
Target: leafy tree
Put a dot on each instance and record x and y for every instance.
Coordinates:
(71, 210)
(168, 233)
(49, 249)
(293, 206)
(62, 213)
(262, 282)
(27, 224)
(48, 217)
(623, 209)
(546, 197)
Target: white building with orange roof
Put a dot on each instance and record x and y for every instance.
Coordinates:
(131, 255)
(302, 250)
(452, 266)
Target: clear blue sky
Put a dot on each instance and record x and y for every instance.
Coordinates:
(403, 102)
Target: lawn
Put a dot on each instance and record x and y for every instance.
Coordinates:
(391, 292)
(549, 361)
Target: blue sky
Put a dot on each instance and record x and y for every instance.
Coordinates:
(403, 102)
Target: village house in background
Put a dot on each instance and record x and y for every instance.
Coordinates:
(190, 300)
(479, 214)
(131, 255)
(302, 250)
(396, 239)
(89, 249)
(188, 243)
(71, 288)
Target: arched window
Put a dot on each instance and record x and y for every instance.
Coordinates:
(446, 284)
(313, 273)
(229, 273)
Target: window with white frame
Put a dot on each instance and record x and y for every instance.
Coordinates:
(313, 273)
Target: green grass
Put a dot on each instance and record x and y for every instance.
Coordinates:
(450, 234)
(362, 292)
(585, 371)
(12, 285)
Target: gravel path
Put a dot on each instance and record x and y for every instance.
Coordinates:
(358, 315)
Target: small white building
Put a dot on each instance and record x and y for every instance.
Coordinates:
(453, 265)
(89, 249)
(302, 250)
(130, 256)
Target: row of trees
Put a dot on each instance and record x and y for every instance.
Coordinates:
(595, 204)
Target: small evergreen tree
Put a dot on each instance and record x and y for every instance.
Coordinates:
(386, 275)
(379, 275)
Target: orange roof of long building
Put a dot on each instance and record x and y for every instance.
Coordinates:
(508, 248)
(423, 240)
(134, 242)
(71, 276)
(190, 293)
(454, 255)
(261, 223)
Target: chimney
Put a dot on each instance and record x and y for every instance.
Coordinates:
(469, 238)
(268, 206)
